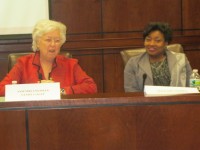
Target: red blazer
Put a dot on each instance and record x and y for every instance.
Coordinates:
(65, 70)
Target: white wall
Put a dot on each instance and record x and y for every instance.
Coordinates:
(19, 16)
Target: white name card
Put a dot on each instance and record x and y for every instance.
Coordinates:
(167, 90)
(36, 91)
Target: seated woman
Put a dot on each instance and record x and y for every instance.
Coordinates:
(156, 66)
(46, 63)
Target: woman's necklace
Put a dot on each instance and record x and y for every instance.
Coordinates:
(157, 65)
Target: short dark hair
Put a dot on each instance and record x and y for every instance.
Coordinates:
(164, 28)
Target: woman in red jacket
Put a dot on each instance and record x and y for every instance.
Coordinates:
(47, 65)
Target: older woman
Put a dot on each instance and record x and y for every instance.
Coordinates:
(156, 66)
(47, 65)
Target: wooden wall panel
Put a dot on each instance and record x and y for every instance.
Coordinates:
(81, 17)
(133, 15)
(83, 129)
(191, 14)
(113, 71)
(92, 63)
(191, 32)
(15, 47)
(3, 65)
(12, 130)
(168, 127)
(193, 57)
(108, 121)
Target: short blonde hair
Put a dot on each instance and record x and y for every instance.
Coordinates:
(44, 26)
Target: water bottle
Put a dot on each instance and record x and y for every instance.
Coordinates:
(14, 82)
(195, 79)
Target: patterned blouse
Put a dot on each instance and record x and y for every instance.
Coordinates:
(160, 72)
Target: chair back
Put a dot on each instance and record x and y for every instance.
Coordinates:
(12, 58)
(128, 53)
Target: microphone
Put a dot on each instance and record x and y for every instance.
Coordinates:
(39, 76)
(49, 77)
(144, 76)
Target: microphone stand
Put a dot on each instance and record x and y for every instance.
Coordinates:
(144, 78)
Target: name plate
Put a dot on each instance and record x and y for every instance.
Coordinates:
(36, 91)
(168, 90)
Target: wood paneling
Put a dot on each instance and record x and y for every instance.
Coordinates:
(4, 65)
(12, 130)
(193, 57)
(92, 63)
(89, 129)
(191, 14)
(171, 127)
(113, 71)
(106, 121)
(81, 17)
(133, 15)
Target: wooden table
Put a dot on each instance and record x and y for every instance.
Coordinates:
(107, 121)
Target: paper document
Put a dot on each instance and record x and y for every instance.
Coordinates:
(35, 91)
(167, 90)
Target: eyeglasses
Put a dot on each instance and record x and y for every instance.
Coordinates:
(52, 40)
